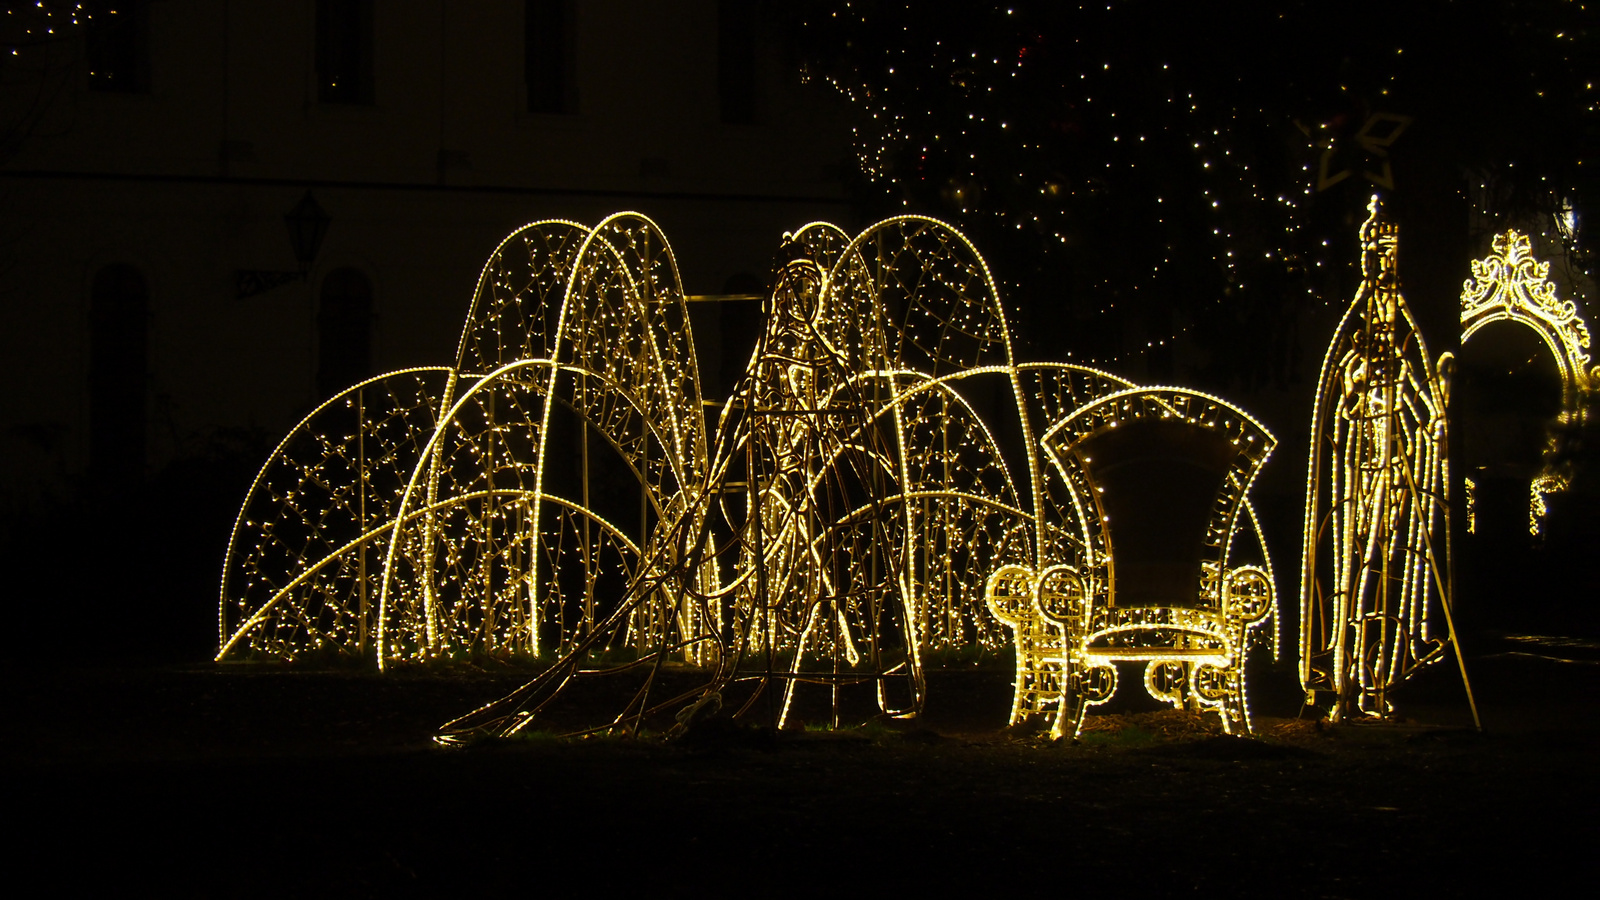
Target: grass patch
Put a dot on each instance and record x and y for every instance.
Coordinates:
(1129, 736)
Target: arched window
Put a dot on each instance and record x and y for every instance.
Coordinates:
(117, 48)
(119, 324)
(344, 52)
(548, 56)
(738, 81)
(344, 331)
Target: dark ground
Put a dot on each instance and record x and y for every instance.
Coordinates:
(240, 780)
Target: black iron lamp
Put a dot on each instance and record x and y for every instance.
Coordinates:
(308, 225)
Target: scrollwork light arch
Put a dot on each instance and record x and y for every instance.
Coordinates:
(1510, 285)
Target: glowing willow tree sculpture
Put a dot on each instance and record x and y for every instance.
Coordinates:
(411, 516)
(1509, 285)
(1377, 548)
(559, 494)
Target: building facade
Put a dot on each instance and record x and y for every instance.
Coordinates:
(153, 292)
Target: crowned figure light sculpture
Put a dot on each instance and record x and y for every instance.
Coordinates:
(1376, 561)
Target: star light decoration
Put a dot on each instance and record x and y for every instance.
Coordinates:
(561, 495)
(1376, 559)
(1509, 285)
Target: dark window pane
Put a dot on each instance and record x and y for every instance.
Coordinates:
(738, 89)
(119, 321)
(117, 49)
(548, 56)
(344, 51)
(344, 331)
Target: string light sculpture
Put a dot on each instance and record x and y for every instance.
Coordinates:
(307, 548)
(882, 494)
(1509, 285)
(838, 523)
(558, 494)
(1176, 465)
(1376, 540)
(1012, 595)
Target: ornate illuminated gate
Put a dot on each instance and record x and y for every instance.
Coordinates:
(1509, 285)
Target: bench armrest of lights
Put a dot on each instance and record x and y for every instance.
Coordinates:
(1249, 593)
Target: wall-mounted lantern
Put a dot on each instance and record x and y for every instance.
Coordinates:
(308, 225)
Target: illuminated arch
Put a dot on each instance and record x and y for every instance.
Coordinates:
(519, 295)
(621, 358)
(304, 557)
(1509, 285)
(555, 304)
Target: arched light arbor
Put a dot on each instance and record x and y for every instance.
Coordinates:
(1376, 559)
(1509, 285)
(564, 493)
(397, 521)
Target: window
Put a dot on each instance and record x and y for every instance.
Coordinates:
(738, 89)
(119, 322)
(344, 331)
(548, 41)
(117, 49)
(344, 51)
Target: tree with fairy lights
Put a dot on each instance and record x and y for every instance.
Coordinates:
(1148, 175)
(41, 44)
